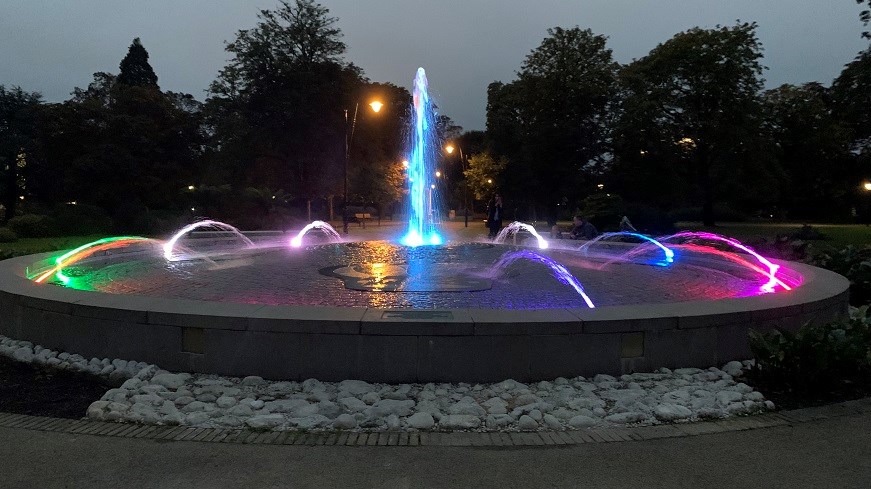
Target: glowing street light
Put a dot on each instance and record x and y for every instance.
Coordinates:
(191, 187)
(490, 180)
(350, 125)
(405, 163)
(601, 186)
(867, 186)
(438, 174)
(450, 149)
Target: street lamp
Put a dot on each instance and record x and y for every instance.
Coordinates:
(449, 149)
(438, 174)
(867, 186)
(376, 106)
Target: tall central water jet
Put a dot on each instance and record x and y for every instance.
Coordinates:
(421, 225)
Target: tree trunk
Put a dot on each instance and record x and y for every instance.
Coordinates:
(330, 206)
(308, 205)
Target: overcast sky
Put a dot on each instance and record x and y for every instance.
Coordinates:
(52, 46)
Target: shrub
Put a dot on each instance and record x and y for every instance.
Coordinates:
(7, 236)
(81, 219)
(33, 226)
(808, 233)
(650, 220)
(853, 263)
(721, 213)
(817, 359)
(603, 210)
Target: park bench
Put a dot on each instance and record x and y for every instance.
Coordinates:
(361, 218)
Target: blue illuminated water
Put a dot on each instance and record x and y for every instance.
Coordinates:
(421, 167)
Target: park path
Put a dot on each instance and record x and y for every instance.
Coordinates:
(828, 452)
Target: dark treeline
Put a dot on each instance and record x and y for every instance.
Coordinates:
(266, 149)
(686, 132)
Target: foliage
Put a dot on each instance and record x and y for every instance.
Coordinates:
(33, 226)
(865, 17)
(851, 99)
(603, 210)
(135, 70)
(18, 127)
(7, 236)
(550, 123)
(816, 359)
(853, 263)
(808, 136)
(649, 220)
(722, 212)
(483, 173)
(689, 121)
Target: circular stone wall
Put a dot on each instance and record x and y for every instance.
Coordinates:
(389, 344)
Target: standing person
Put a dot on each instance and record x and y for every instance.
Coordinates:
(494, 216)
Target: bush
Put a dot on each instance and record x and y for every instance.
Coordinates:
(603, 210)
(81, 219)
(808, 233)
(694, 214)
(33, 226)
(650, 220)
(853, 263)
(7, 236)
(817, 359)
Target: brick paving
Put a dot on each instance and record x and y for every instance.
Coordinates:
(426, 438)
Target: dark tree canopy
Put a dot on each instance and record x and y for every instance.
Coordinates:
(690, 111)
(18, 125)
(865, 16)
(135, 70)
(550, 122)
(851, 94)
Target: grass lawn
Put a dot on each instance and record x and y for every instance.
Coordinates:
(26, 246)
(839, 235)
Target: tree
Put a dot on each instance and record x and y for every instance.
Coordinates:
(135, 70)
(277, 109)
(851, 97)
(809, 139)
(18, 116)
(691, 109)
(865, 16)
(483, 174)
(550, 122)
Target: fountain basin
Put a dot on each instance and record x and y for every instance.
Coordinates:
(432, 340)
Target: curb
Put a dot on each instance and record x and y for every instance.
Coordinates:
(431, 438)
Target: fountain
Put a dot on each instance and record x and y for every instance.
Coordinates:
(514, 228)
(331, 233)
(421, 208)
(420, 310)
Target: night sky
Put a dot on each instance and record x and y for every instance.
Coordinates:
(53, 46)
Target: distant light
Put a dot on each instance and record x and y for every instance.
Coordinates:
(642, 152)
(866, 185)
(601, 186)
(376, 105)
(405, 163)
(273, 197)
(72, 202)
(438, 174)
(449, 148)
(489, 180)
(432, 186)
(21, 197)
(193, 209)
(191, 187)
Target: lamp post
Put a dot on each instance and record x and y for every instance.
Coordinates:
(450, 149)
(375, 105)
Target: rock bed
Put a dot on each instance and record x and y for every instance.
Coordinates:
(154, 396)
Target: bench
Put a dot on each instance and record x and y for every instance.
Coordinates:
(361, 218)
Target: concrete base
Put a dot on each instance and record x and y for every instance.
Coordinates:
(395, 345)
